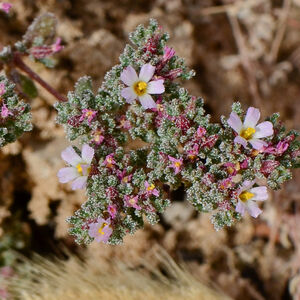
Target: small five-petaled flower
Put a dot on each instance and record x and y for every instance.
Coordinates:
(249, 131)
(80, 166)
(140, 87)
(101, 230)
(247, 195)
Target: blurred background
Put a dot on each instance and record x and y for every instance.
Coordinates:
(246, 50)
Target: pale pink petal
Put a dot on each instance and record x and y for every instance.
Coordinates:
(247, 184)
(147, 101)
(257, 144)
(129, 76)
(87, 153)
(235, 122)
(156, 87)
(147, 72)
(93, 229)
(239, 140)
(79, 183)
(240, 208)
(67, 174)
(263, 129)
(253, 209)
(129, 94)
(252, 117)
(261, 193)
(70, 156)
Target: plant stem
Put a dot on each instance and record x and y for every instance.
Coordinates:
(22, 66)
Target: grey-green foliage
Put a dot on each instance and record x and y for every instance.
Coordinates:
(18, 119)
(144, 149)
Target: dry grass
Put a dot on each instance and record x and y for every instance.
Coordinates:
(44, 279)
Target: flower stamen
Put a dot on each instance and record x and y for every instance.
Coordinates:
(140, 88)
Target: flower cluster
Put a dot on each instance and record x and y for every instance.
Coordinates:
(15, 117)
(146, 136)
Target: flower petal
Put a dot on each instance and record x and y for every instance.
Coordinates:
(79, 183)
(147, 72)
(261, 193)
(239, 140)
(129, 94)
(87, 153)
(263, 129)
(147, 101)
(247, 184)
(67, 174)
(235, 122)
(253, 209)
(240, 208)
(70, 156)
(257, 144)
(156, 87)
(252, 117)
(129, 76)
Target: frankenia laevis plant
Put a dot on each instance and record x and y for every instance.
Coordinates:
(146, 136)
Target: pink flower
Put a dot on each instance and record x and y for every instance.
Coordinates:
(176, 164)
(101, 230)
(5, 112)
(124, 123)
(5, 7)
(140, 86)
(168, 53)
(88, 114)
(249, 131)
(193, 153)
(132, 201)
(2, 89)
(225, 184)
(112, 210)
(56, 47)
(232, 168)
(151, 190)
(98, 136)
(280, 148)
(109, 161)
(40, 52)
(247, 195)
(201, 132)
(80, 167)
(123, 177)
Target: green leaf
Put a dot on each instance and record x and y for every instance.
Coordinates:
(28, 86)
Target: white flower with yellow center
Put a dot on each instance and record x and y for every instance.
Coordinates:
(140, 87)
(249, 131)
(247, 197)
(79, 166)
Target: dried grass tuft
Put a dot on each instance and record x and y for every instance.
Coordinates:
(45, 279)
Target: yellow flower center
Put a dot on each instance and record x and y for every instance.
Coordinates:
(140, 88)
(247, 133)
(80, 170)
(151, 187)
(125, 179)
(89, 113)
(100, 230)
(245, 196)
(177, 164)
(132, 201)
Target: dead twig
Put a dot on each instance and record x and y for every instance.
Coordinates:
(281, 28)
(244, 57)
